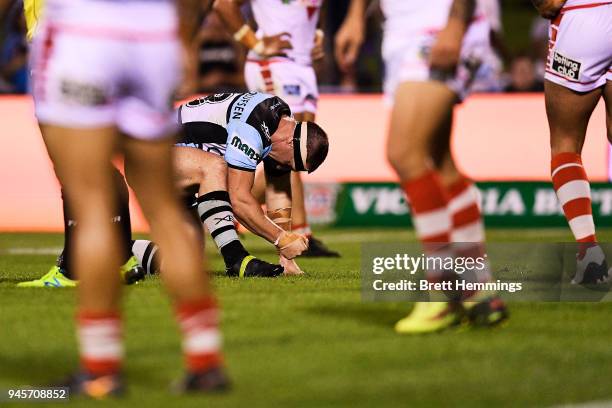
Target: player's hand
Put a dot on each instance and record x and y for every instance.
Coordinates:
(318, 52)
(291, 267)
(276, 45)
(348, 43)
(291, 244)
(445, 53)
(549, 8)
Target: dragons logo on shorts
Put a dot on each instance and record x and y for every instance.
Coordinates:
(292, 89)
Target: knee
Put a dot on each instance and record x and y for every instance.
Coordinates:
(407, 162)
(218, 167)
(395, 158)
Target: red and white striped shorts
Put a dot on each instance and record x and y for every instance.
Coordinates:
(580, 47)
(294, 83)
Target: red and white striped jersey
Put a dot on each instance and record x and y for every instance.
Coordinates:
(299, 18)
(406, 16)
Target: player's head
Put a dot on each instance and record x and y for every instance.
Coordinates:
(299, 146)
(310, 146)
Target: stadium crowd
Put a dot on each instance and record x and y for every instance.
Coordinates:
(217, 60)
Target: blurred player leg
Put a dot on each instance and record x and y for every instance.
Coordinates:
(608, 99)
(444, 204)
(467, 234)
(60, 275)
(130, 270)
(93, 106)
(464, 201)
(409, 153)
(96, 250)
(151, 174)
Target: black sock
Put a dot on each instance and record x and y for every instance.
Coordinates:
(216, 213)
(123, 216)
(233, 253)
(64, 259)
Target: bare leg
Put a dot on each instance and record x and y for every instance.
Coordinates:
(82, 164)
(419, 110)
(441, 151)
(607, 94)
(195, 168)
(420, 113)
(568, 117)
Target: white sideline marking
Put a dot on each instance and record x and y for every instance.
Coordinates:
(591, 404)
(333, 238)
(32, 251)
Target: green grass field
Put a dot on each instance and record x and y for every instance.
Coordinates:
(311, 341)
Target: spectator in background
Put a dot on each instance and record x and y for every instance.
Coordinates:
(523, 75)
(14, 53)
(489, 77)
(365, 74)
(220, 58)
(539, 45)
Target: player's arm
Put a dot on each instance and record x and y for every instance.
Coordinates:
(350, 35)
(247, 208)
(189, 13)
(230, 14)
(444, 55)
(278, 199)
(249, 212)
(548, 8)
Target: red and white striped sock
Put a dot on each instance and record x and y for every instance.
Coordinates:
(574, 193)
(464, 207)
(468, 228)
(99, 335)
(432, 222)
(428, 201)
(199, 322)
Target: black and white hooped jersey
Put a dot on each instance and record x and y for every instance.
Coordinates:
(237, 126)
